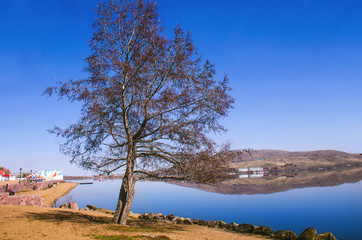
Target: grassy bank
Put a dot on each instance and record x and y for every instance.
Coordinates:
(24, 222)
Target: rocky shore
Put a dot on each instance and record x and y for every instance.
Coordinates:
(244, 228)
(307, 234)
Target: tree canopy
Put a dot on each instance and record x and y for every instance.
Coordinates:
(148, 104)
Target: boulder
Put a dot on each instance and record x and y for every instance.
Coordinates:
(232, 226)
(211, 224)
(308, 234)
(159, 216)
(180, 220)
(202, 223)
(103, 210)
(221, 224)
(150, 216)
(188, 221)
(285, 235)
(175, 219)
(325, 236)
(143, 216)
(65, 205)
(74, 206)
(245, 228)
(91, 207)
(263, 230)
(170, 217)
(195, 221)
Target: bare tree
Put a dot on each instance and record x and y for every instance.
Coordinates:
(148, 104)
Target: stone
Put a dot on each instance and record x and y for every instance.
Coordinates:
(245, 228)
(150, 216)
(74, 206)
(195, 221)
(91, 207)
(180, 220)
(202, 223)
(170, 217)
(263, 230)
(103, 210)
(159, 216)
(143, 216)
(308, 234)
(65, 205)
(232, 226)
(221, 224)
(325, 236)
(285, 235)
(175, 219)
(211, 224)
(188, 221)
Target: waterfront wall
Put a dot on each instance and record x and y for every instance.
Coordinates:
(25, 186)
(28, 200)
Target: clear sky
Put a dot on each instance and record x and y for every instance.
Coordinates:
(295, 69)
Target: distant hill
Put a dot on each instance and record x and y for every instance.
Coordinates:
(302, 159)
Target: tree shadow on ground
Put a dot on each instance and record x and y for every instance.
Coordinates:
(133, 224)
(67, 216)
(142, 225)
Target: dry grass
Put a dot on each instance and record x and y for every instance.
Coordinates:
(24, 222)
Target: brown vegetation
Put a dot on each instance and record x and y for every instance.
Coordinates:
(23, 222)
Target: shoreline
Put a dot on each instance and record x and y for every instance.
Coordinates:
(51, 195)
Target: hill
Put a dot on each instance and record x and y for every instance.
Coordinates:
(301, 159)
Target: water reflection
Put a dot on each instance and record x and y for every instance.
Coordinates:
(259, 181)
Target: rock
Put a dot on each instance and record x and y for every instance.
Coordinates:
(245, 228)
(285, 235)
(170, 217)
(103, 210)
(232, 226)
(143, 216)
(74, 206)
(195, 221)
(211, 224)
(308, 234)
(221, 224)
(325, 236)
(262, 230)
(150, 216)
(202, 223)
(65, 205)
(175, 219)
(159, 216)
(188, 221)
(180, 220)
(91, 207)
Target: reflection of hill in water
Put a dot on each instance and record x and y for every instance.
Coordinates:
(282, 183)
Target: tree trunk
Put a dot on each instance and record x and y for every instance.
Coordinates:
(125, 199)
(127, 192)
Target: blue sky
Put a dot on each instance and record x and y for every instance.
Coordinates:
(295, 69)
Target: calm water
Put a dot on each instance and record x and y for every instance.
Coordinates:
(335, 209)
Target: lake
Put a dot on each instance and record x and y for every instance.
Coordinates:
(335, 209)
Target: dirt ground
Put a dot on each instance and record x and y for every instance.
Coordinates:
(25, 222)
